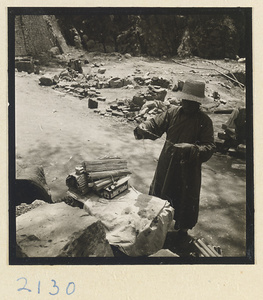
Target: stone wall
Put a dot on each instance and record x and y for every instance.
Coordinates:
(35, 34)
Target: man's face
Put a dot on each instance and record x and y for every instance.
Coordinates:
(190, 107)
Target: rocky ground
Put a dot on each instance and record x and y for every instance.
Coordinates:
(55, 128)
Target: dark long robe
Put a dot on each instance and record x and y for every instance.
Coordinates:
(178, 174)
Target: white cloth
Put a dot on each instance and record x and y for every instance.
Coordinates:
(136, 223)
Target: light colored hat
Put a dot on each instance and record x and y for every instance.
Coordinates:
(194, 90)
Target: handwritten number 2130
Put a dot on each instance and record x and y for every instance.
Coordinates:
(69, 290)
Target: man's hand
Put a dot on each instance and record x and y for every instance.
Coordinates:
(139, 131)
(183, 150)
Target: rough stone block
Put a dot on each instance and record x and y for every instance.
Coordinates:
(101, 70)
(138, 100)
(127, 81)
(93, 103)
(118, 114)
(59, 230)
(175, 88)
(180, 85)
(159, 81)
(241, 148)
(114, 106)
(26, 66)
(46, 80)
(54, 51)
(101, 99)
(116, 82)
(127, 55)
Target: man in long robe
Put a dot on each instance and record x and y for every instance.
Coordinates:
(189, 143)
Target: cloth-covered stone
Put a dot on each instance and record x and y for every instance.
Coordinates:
(136, 223)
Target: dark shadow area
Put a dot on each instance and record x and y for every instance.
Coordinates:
(27, 191)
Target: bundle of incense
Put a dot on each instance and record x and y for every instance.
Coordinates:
(100, 184)
(78, 182)
(93, 176)
(104, 165)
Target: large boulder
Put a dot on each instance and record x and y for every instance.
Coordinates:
(59, 230)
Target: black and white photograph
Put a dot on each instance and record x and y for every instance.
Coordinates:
(130, 135)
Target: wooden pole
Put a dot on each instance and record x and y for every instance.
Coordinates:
(236, 81)
(201, 249)
(202, 244)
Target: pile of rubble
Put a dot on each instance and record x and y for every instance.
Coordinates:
(232, 139)
(143, 105)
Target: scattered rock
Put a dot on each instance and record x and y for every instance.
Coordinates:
(92, 103)
(115, 82)
(114, 106)
(241, 148)
(210, 106)
(101, 70)
(242, 60)
(216, 95)
(127, 55)
(174, 101)
(127, 82)
(75, 64)
(175, 88)
(139, 80)
(26, 65)
(180, 85)
(155, 93)
(159, 81)
(101, 99)
(223, 101)
(238, 167)
(138, 99)
(46, 81)
(118, 114)
(54, 51)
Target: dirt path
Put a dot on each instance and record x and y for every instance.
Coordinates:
(59, 131)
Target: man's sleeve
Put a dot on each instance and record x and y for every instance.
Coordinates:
(205, 147)
(157, 125)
